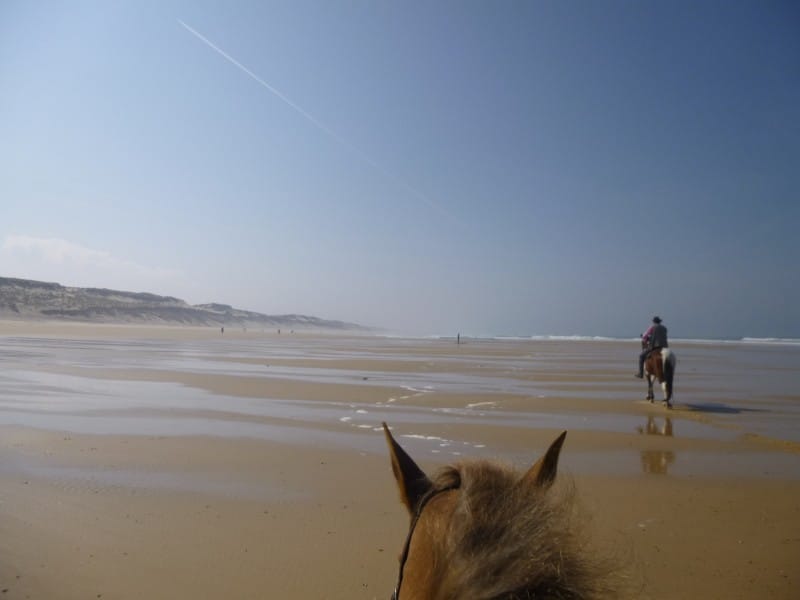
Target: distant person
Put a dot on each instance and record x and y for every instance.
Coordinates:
(654, 338)
(458, 339)
(221, 330)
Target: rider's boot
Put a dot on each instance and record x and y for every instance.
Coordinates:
(640, 373)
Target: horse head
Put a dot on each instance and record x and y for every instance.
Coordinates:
(481, 530)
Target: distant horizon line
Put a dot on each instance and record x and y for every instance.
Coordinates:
(768, 340)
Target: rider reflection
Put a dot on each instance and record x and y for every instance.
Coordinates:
(657, 461)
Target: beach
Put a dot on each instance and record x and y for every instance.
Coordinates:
(178, 462)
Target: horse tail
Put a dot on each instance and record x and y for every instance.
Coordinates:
(669, 370)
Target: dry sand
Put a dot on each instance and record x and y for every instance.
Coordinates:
(123, 516)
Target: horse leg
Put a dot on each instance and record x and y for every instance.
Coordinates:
(668, 392)
(650, 395)
(669, 374)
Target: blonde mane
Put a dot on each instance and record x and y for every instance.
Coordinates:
(506, 541)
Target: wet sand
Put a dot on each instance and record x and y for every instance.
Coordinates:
(179, 463)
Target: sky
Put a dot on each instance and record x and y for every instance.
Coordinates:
(488, 168)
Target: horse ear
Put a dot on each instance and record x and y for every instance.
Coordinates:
(411, 480)
(543, 473)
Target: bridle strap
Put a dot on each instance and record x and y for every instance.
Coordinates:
(407, 546)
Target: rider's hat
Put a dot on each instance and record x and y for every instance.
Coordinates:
(656, 319)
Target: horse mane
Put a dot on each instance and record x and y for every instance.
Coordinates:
(507, 541)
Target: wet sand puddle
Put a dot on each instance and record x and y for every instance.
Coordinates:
(84, 405)
(36, 398)
(90, 405)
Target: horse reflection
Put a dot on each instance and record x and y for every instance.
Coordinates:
(657, 461)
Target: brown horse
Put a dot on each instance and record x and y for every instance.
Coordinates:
(481, 531)
(660, 365)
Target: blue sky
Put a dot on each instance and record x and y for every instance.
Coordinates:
(491, 168)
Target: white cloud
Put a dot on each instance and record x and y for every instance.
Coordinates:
(55, 259)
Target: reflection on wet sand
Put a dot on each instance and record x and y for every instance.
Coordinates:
(652, 428)
(657, 461)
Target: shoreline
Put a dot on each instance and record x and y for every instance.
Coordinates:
(9, 326)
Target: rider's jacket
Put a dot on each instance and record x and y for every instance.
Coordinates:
(657, 337)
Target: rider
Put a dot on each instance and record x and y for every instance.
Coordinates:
(654, 338)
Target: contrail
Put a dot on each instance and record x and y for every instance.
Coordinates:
(419, 195)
